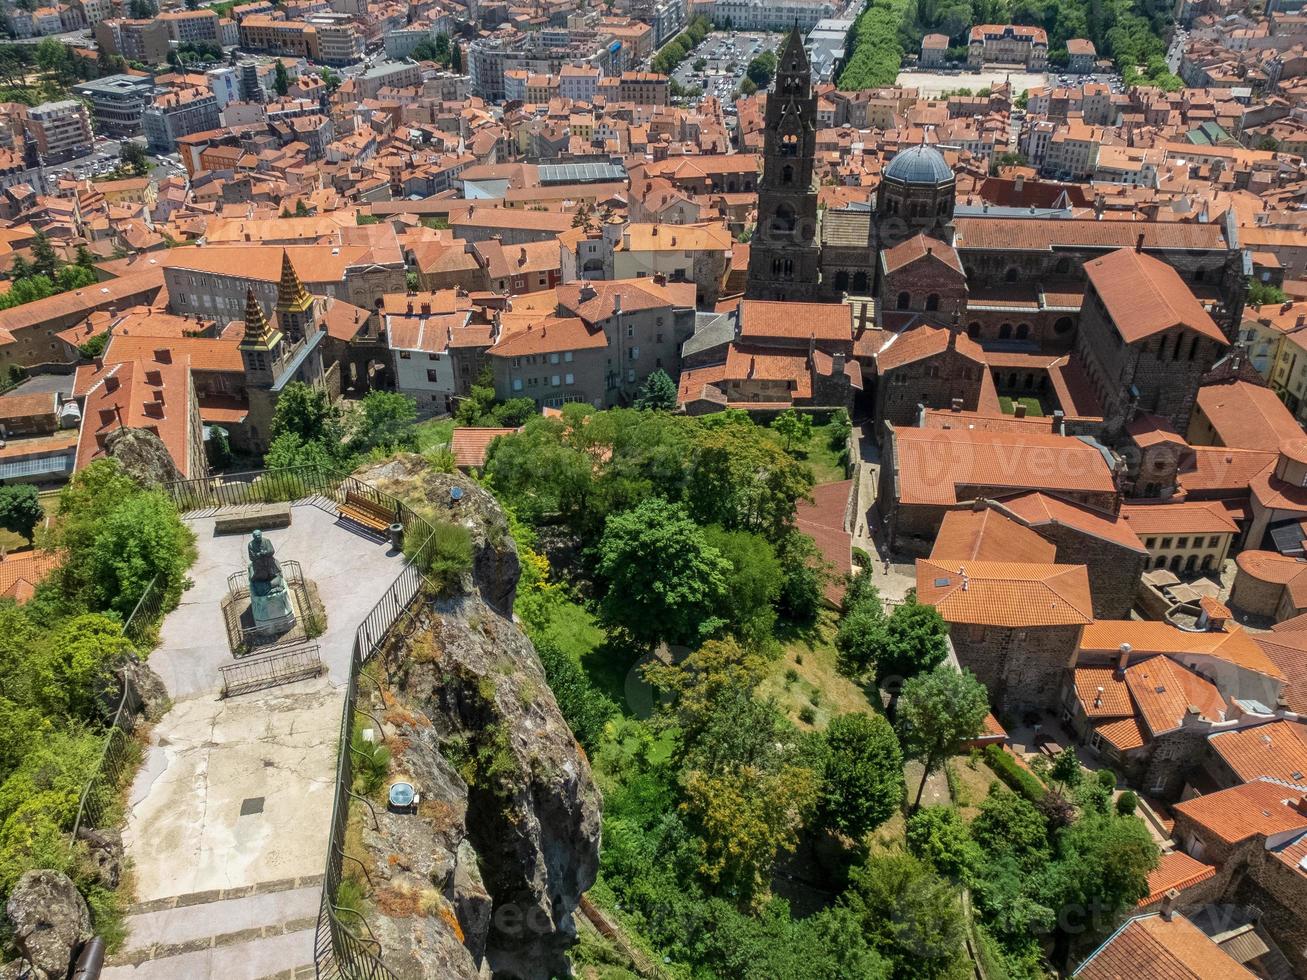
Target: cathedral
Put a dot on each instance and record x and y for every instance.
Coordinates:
(1011, 278)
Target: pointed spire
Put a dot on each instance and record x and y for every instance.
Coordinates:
(292, 297)
(256, 324)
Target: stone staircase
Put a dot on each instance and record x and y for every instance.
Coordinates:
(257, 933)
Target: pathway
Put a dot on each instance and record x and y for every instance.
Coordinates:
(230, 812)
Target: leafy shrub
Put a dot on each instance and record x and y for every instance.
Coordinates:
(1107, 779)
(1014, 774)
(861, 558)
(371, 764)
(586, 708)
(807, 715)
(1127, 803)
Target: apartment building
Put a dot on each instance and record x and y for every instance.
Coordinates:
(189, 26)
(642, 88)
(179, 113)
(117, 103)
(136, 40)
(335, 39)
(61, 130)
(579, 82)
(387, 75)
(1008, 44)
(1080, 55)
(1072, 152)
(540, 53)
(768, 15)
(263, 32)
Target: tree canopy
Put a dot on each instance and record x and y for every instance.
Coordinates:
(937, 712)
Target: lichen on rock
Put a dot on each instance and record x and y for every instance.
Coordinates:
(486, 876)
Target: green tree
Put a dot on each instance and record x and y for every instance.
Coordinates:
(664, 581)
(1066, 768)
(586, 708)
(44, 261)
(20, 509)
(455, 58)
(804, 577)
(387, 420)
(281, 78)
(860, 637)
(657, 393)
(911, 916)
(290, 449)
(141, 538)
(753, 582)
(76, 664)
(938, 835)
(308, 412)
(916, 640)
(862, 776)
(938, 711)
(217, 447)
(744, 816)
(699, 688)
(1264, 294)
(1009, 824)
(740, 479)
(442, 48)
(794, 428)
(761, 69)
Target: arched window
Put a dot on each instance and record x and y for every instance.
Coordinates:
(1161, 348)
(784, 220)
(775, 267)
(1175, 354)
(973, 330)
(1159, 561)
(1193, 347)
(932, 302)
(860, 283)
(787, 174)
(904, 301)
(1005, 331)
(841, 281)
(1063, 266)
(1023, 331)
(1010, 275)
(789, 145)
(1191, 563)
(1063, 325)
(789, 268)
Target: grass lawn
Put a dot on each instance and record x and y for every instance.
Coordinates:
(971, 779)
(433, 433)
(819, 455)
(817, 678)
(1033, 407)
(606, 663)
(10, 542)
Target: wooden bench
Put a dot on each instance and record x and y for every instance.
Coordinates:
(366, 513)
(245, 519)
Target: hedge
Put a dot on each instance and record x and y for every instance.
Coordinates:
(877, 46)
(1012, 772)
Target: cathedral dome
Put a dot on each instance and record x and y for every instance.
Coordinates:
(919, 165)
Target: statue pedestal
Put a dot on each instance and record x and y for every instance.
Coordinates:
(271, 608)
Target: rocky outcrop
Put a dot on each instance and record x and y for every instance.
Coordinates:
(494, 556)
(50, 921)
(485, 877)
(104, 852)
(142, 456)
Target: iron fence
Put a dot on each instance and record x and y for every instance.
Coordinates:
(339, 950)
(147, 612)
(101, 790)
(280, 667)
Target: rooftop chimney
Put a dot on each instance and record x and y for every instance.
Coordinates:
(1019, 410)
(1019, 182)
(1168, 904)
(956, 405)
(1123, 658)
(1139, 242)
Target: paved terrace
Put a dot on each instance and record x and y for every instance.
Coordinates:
(229, 815)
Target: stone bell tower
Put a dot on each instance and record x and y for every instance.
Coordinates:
(784, 254)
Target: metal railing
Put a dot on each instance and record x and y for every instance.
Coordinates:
(339, 950)
(147, 612)
(101, 791)
(280, 667)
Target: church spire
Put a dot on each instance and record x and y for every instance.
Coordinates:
(292, 297)
(258, 332)
(793, 59)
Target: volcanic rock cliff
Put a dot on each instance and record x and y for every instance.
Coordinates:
(483, 880)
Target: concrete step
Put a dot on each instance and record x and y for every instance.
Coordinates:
(266, 932)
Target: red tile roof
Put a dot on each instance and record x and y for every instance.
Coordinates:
(142, 394)
(1153, 948)
(1258, 808)
(1175, 870)
(988, 535)
(922, 342)
(549, 335)
(1145, 296)
(1248, 416)
(1278, 750)
(1181, 518)
(470, 446)
(1288, 651)
(1234, 645)
(933, 463)
(918, 247)
(823, 521)
(1102, 693)
(765, 319)
(999, 593)
(1166, 693)
(22, 572)
(1038, 509)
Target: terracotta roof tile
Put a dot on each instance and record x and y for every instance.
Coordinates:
(766, 319)
(1125, 735)
(1234, 645)
(1288, 651)
(918, 247)
(1153, 948)
(1035, 234)
(1039, 509)
(1177, 870)
(922, 342)
(1258, 808)
(548, 335)
(999, 593)
(1165, 692)
(1278, 750)
(469, 445)
(933, 463)
(988, 535)
(1145, 296)
(205, 354)
(1114, 699)
(1248, 416)
(1181, 518)
(1214, 468)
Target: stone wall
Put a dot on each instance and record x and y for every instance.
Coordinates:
(1022, 668)
(1113, 571)
(1252, 595)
